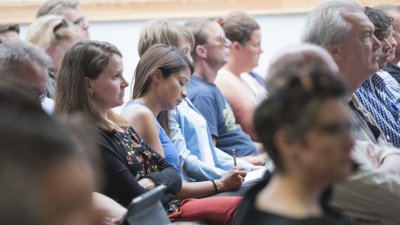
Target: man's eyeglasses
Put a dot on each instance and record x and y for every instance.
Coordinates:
(80, 21)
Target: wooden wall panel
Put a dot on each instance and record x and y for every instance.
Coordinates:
(105, 10)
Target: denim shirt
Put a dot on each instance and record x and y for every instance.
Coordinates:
(198, 157)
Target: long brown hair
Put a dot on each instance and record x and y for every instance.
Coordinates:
(84, 59)
(166, 33)
(167, 60)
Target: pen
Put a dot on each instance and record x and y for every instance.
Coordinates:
(234, 157)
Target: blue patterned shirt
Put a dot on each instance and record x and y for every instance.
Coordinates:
(379, 97)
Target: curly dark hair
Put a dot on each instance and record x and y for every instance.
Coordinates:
(381, 22)
(292, 107)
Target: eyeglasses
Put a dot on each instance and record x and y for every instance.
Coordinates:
(80, 21)
(221, 41)
(338, 127)
(63, 23)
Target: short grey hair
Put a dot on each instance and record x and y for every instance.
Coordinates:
(326, 24)
(53, 7)
(15, 53)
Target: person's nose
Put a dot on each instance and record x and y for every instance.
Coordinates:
(392, 41)
(386, 45)
(124, 83)
(376, 44)
(184, 92)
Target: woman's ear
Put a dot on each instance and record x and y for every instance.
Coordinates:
(89, 86)
(285, 144)
(156, 76)
(235, 46)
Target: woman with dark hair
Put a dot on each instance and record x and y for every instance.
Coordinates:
(90, 81)
(305, 128)
(160, 84)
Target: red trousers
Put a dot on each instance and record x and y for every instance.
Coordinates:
(212, 210)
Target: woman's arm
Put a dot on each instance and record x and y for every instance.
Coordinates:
(230, 181)
(168, 175)
(142, 120)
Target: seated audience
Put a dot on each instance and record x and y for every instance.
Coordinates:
(26, 66)
(9, 31)
(242, 91)
(210, 53)
(305, 127)
(47, 170)
(90, 81)
(393, 12)
(199, 160)
(160, 84)
(69, 9)
(372, 192)
(376, 94)
(54, 35)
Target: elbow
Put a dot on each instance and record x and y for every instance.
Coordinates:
(176, 183)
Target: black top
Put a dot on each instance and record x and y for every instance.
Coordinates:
(127, 158)
(394, 70)
(247, 214)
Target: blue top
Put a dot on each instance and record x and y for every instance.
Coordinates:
(198, 157)
(378, 99)
(170, 152)
(208, 99)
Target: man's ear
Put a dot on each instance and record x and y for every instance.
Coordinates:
(156, 76)
(201, 51)
(334, 51)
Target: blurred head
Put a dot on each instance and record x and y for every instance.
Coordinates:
(50, 172)
(90, 81)
(393, 11)
(55, 35)
(384, 33)
(9, 32)
(295, 58)
(305, 127)
(164, 70)
(244, 33)
(26, 66)
(68, 9)
(210, 44)
(342, 28)
(165, 33)
(158, 32)
(186, 42)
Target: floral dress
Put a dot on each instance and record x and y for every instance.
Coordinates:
(126, 151)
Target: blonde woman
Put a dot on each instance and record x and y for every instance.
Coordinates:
(55, 35)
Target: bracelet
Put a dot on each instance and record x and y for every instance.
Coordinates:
(215, 186)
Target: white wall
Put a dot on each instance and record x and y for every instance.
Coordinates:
(277, 31)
